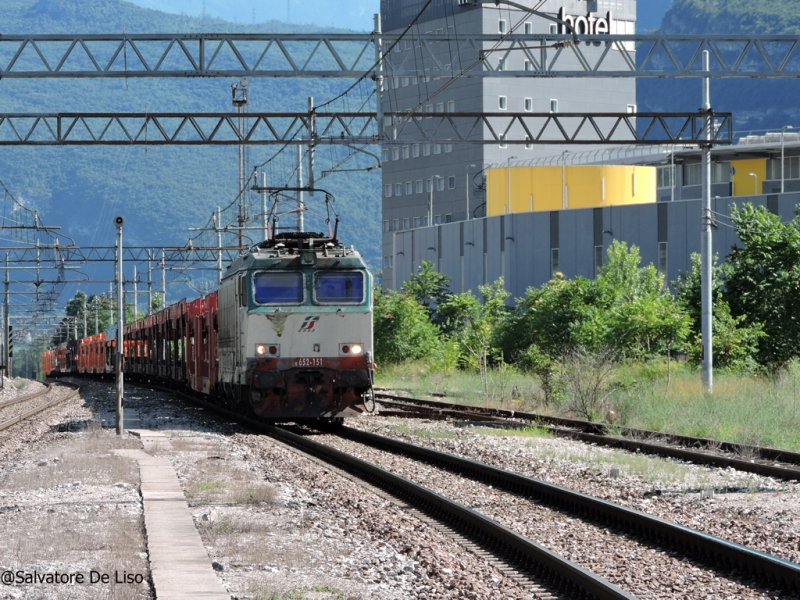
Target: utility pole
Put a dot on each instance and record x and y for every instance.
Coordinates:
(163, 279)
(218, 227)
(706, 239)
(149, 285)
(110, 304)
(300, 201)
(96, 319)
(264, 217)
(466, 218)
(6, 323)
(135, 293)
(378, 75)
(240, 102)
(312, 136)
(118, 366)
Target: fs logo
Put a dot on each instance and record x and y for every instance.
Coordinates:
(309, 324)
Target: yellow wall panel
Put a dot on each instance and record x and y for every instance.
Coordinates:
(540, 188)
(743, 184)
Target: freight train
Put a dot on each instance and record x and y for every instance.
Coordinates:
(286, 337)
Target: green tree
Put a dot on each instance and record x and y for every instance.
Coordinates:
(403, 329)
(475, 325)
(762, 282)
(428, 287)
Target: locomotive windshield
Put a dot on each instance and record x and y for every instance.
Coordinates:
(338, 287)
(279, 287)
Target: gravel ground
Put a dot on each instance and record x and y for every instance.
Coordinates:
(643, 571)
(278, 525)
(69, 508)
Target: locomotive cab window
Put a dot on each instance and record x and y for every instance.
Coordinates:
(278, 287)
(339, 287)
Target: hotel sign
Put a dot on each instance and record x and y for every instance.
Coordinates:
(588, 25)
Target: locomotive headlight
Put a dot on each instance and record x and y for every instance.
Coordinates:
(268, 350)
(351, 349)
(261, 349)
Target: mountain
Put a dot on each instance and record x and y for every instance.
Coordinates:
(649, 14)
(161, 191)
(756, 104)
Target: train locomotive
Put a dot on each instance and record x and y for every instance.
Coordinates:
(286, 337)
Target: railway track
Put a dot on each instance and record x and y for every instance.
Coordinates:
(27, 413)
(548, 572)
(548, 575)
(716, 553)
(769, 462)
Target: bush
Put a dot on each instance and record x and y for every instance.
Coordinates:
(403, 330)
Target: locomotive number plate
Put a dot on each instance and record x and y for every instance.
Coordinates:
(308, 362)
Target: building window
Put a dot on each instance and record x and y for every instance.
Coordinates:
(440, 184)
(664, 177)
(503, 143)
(395, 153)
(791, 168)
(385, 226)
(662, 257)
(398, 189)
(409, 188)
(692, 174)
(388, 190)
(598, 260)
(440, 107)
(502, 102)
(425, 221)
(428, 185)
(416, 221)
(451, 106)
(528, 28)
(406, 152)
(395, 224)
(448, 218)
(528, 65)
(553, 29)
(631, 109)
(419, 186)
(415, 151)
(451, 182)
(385, 154)
(448, 148)
(405, 81)
(406, 223)
(385, 262)
(429, 109)
(501, 64)
(528, 104)
(553, 106)
(437, 219)
(426, 150)
(554, 266)
(415, 80)
(528, 145)
(502, 26)
(437, 148)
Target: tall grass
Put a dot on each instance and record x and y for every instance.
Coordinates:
(743, 408)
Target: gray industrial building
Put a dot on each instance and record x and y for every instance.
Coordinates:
(449, 174)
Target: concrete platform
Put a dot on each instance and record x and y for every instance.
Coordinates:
(179, 562)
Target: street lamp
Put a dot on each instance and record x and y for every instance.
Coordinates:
(755, 183)
(783, 160)
(430, 200)
(467, 172)
(508, 182)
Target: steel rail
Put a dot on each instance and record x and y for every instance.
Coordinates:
(26, 398)
(768, 569)
(544, 565)
(11, 422)
(597, 433)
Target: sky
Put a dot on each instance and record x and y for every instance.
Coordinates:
(347, 14)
